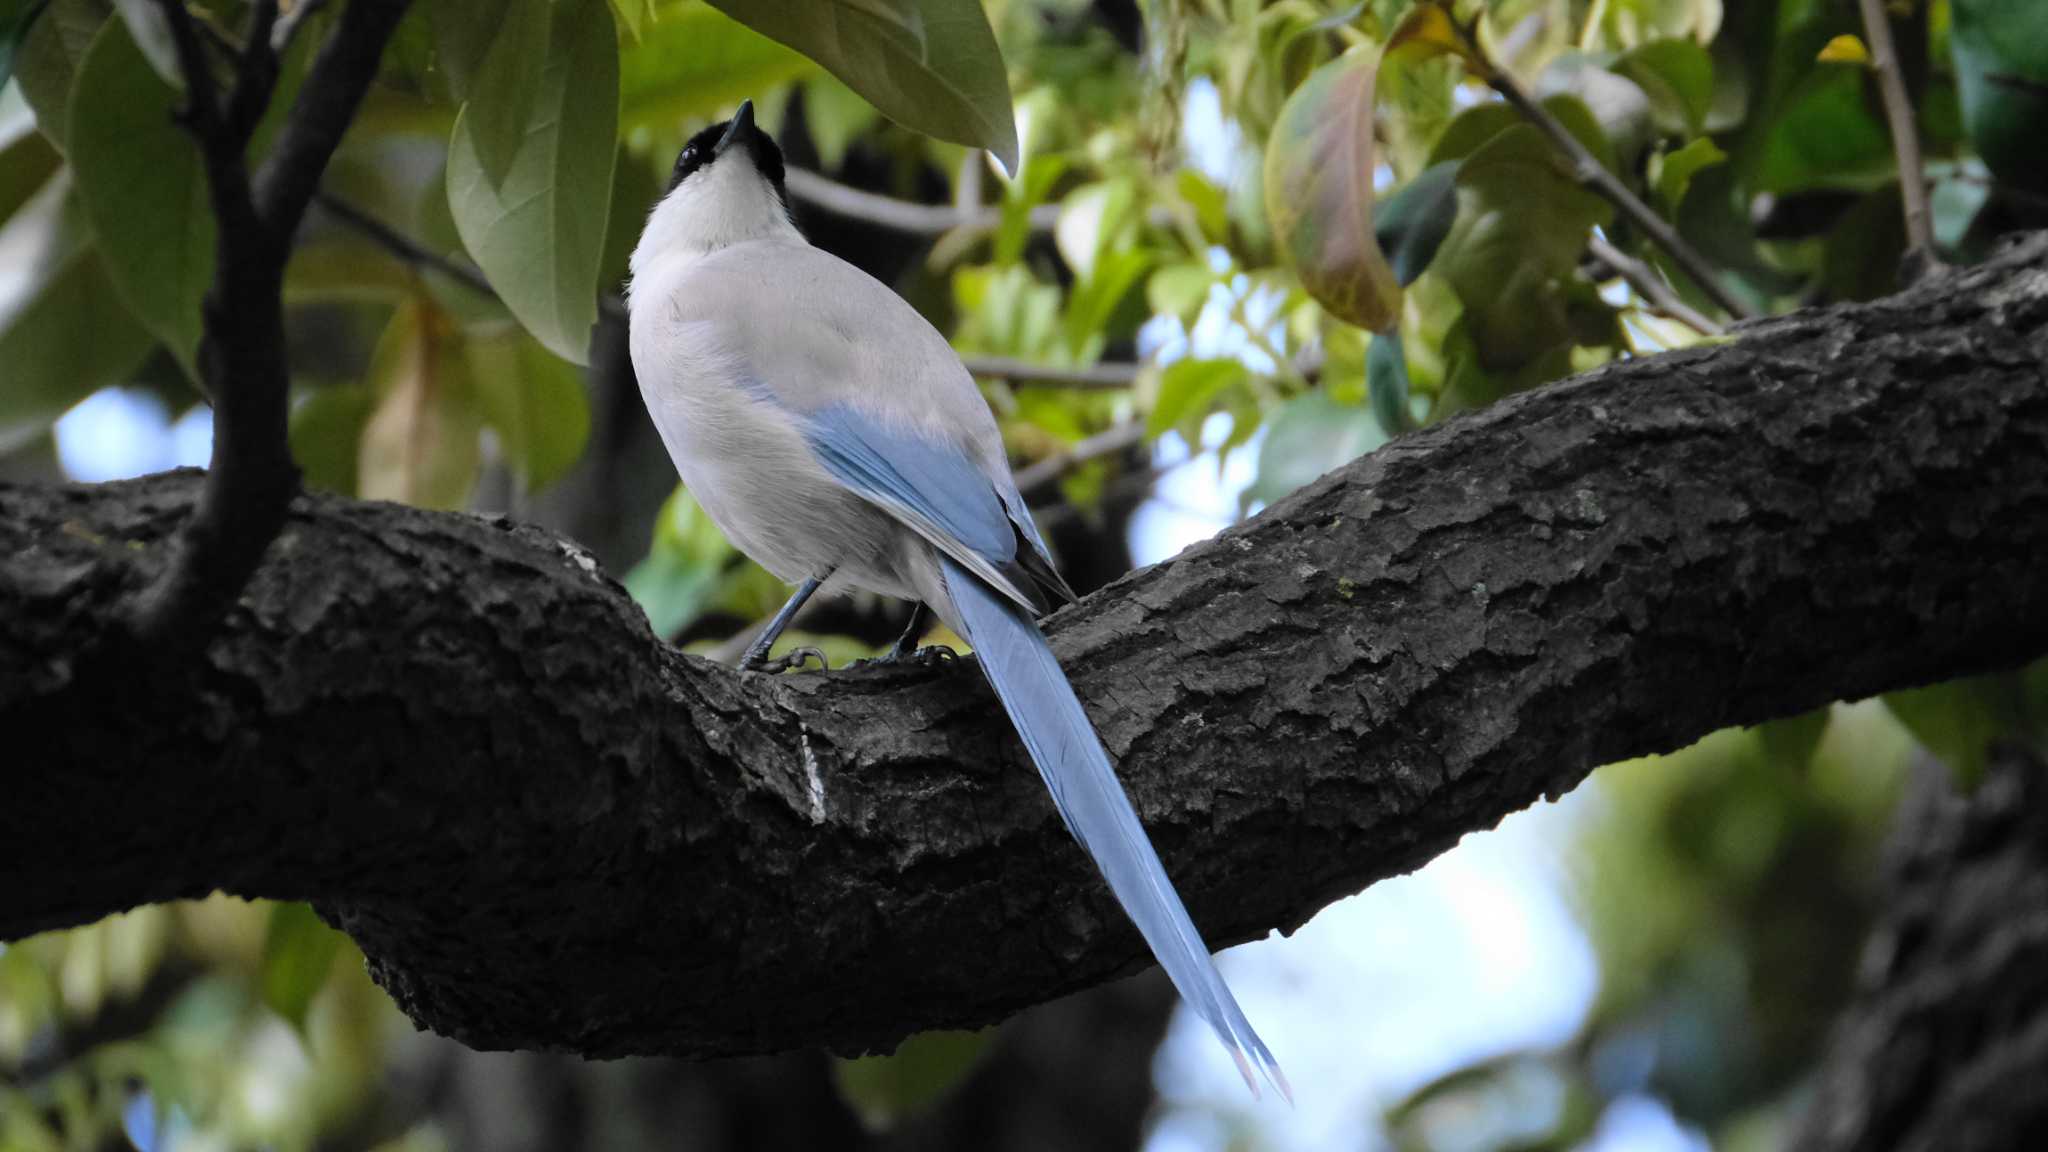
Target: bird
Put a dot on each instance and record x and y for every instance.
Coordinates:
(836, 438)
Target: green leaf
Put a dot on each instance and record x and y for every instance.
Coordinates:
(951, 85)
(1411, 224)
(1028, 191)
(685, 565)
(2001, 61)
(19, 21)
(693, 64)
(1617, 111)
(1476, 127)
(1957, 720)
(327, 436)
(151, 31)
(1095, 219)
(420, 444)
(1386, 382)
(1092, 305)
(1307, 437)
(1006, 312)
(1180, 290)
(1828, 134)
(633, 14)
(49, 58)
(538, 234)
(27, 160)
(1677, 76)
(63, 331)
(499, 93)
(537, 405)
(1954, 205)
(1211, 204)
(1676, 170)
(887, 1089)
(1427, 31)
(1188, 390)
(143, 186)
(1790, 743)
(1515, 247)
(345, 269)
(1319, 193)
(298, 954)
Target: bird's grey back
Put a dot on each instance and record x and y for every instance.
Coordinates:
(816, 331)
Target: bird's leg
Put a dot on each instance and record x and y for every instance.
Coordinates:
(907, 643)
(758, 650)
(905, 647)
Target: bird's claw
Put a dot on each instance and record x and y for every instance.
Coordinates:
(929, 655)
(924, 657)
(792, 660)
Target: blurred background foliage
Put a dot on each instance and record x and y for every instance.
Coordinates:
(1250, 235)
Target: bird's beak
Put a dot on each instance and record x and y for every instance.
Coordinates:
(742, 123)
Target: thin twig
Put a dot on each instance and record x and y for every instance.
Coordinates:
(404, 247)
(1140, 480)
(1898, 114)
(2034, 200)
(1595, 176)
(1108, 442)
(257, 75)
(1110, 375)
(904, 216)
(1651, 287)
(915, 219)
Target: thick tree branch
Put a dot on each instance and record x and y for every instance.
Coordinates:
(547, 829)
(251, 477)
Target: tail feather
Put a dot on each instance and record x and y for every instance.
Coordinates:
(1091, 801)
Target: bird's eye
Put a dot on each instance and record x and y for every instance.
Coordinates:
(688, 161)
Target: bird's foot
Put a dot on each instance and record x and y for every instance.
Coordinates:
(923, 657)
(794, 659)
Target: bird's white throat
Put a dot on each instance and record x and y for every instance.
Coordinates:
(724, 203)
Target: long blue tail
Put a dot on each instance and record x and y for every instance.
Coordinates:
(1084, 787)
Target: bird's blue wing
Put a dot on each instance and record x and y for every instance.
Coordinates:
(932, 487)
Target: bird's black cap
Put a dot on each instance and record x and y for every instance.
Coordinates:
(729, 136)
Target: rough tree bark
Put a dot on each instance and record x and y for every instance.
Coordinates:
(546, 829)
(1946, 1045)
